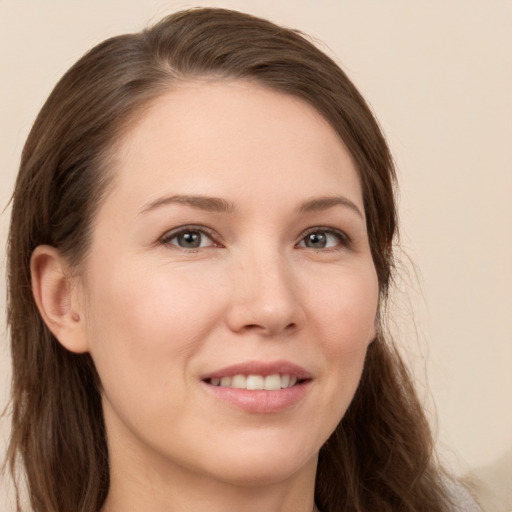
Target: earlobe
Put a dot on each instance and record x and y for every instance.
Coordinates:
(55, 296)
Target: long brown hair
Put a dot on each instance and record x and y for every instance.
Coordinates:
(380, 456)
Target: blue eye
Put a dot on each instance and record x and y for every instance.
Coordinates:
(188, 239)
(323, 239)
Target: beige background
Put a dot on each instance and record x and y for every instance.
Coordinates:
(439, 77)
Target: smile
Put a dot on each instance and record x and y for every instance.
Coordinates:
(255, 382)
(260, 387)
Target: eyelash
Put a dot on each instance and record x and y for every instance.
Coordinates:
(344, 239)
(171, 235)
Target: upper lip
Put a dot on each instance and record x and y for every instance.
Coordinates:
(260, 368)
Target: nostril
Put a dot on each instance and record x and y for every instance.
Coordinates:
(254, 328)
(264, 316)
(270, 329)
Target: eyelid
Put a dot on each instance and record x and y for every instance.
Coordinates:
(345, 240)
(173, 233)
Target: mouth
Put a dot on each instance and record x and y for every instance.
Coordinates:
(273, 382)
(258, 387)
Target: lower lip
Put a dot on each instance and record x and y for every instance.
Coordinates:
(261, 401)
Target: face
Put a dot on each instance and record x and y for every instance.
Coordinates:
(230, 254)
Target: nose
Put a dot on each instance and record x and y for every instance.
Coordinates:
(265, 298)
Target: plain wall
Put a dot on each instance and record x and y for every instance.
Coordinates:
(439, 77)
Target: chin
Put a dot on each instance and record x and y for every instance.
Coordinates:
(264, 467)
(260, 477)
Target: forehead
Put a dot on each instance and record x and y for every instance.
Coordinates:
(233, 138)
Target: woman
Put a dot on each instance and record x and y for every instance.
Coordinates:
(205, 216)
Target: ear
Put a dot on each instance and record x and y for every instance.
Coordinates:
(56, 294)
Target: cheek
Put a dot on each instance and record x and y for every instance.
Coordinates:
(347, 308)
(345, 323)
(148, 304)
(144, 329)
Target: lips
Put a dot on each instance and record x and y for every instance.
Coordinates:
(259, 387)
(260, 368)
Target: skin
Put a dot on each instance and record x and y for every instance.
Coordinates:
(156, 316)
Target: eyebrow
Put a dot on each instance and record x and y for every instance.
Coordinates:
(209, 204)
(324, 203)
(219, 205)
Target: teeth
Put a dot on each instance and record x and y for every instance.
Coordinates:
(239, 382)
(225, 382)
(272, 382)
(255, 382)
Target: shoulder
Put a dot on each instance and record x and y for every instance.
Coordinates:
(461, 497)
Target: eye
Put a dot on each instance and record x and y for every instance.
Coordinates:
(324, 239)
(189, 238)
